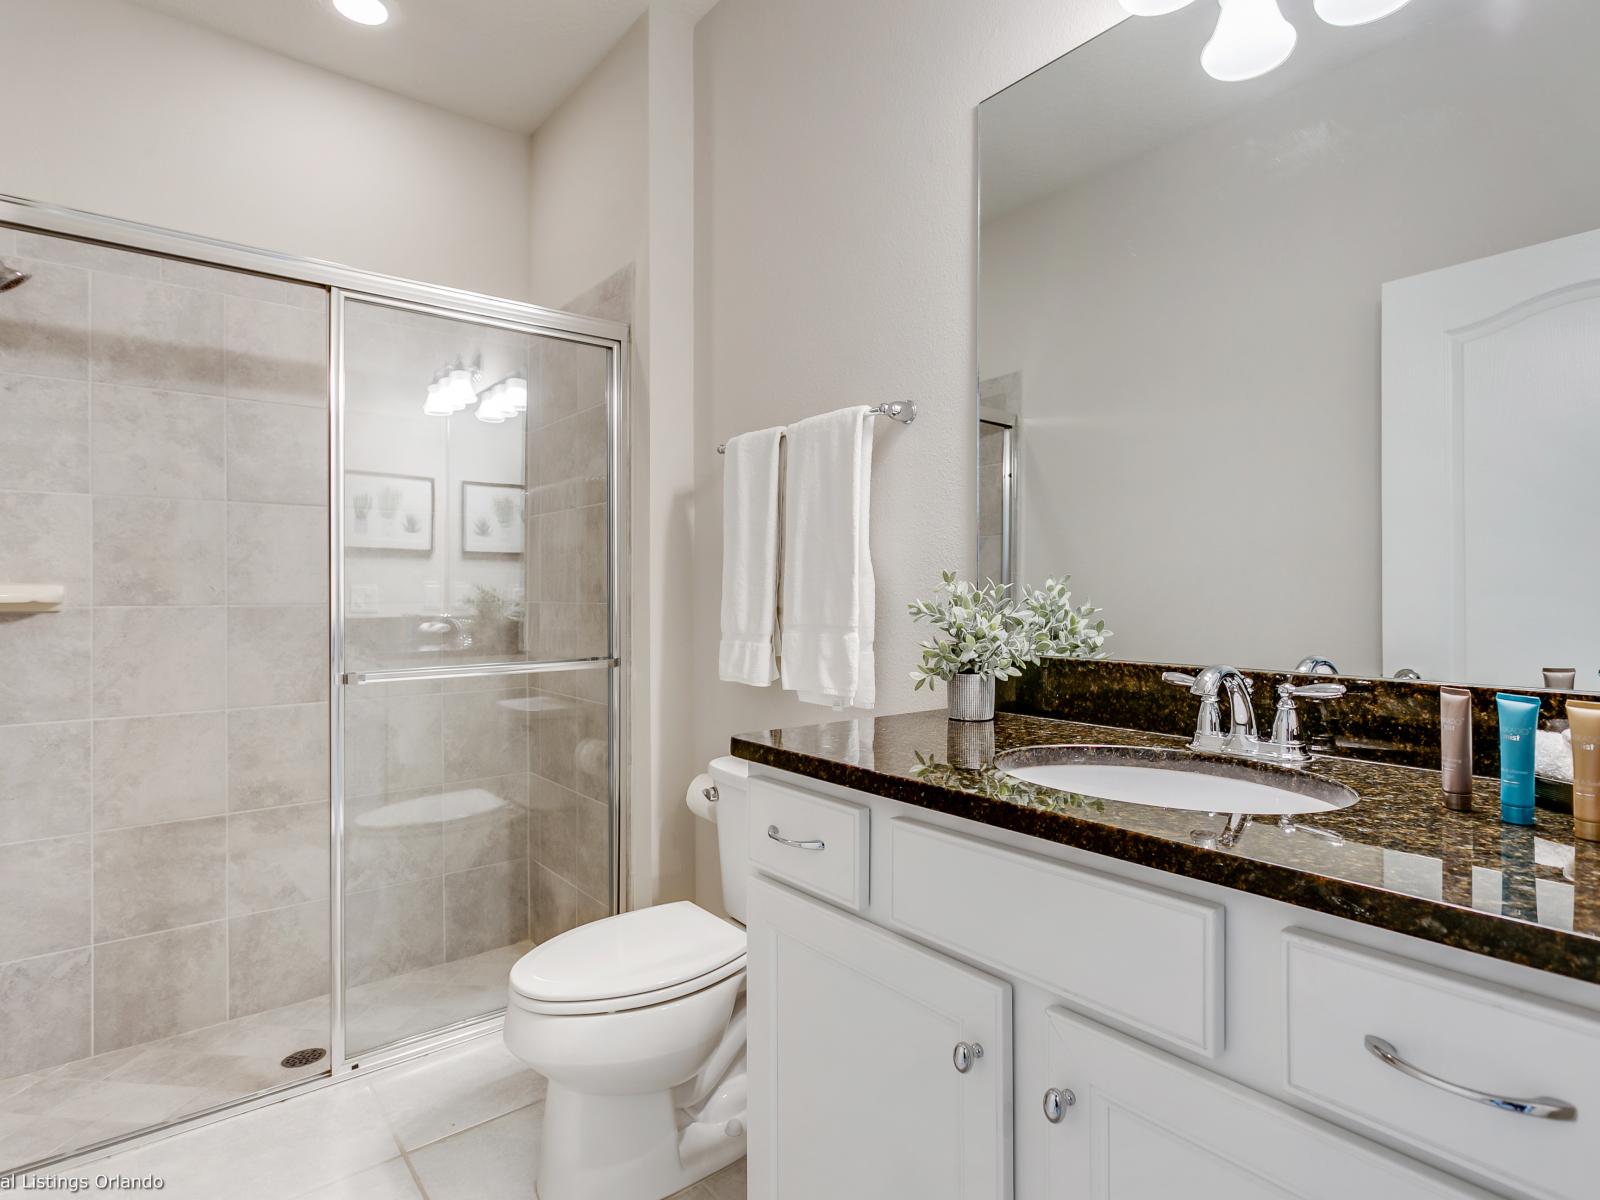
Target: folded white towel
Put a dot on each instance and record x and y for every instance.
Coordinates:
(828, 591)
(750, 527)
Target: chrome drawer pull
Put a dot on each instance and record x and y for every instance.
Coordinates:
(965, 1054)
(772, 832)
(1056, 1103)
(1539, 1106)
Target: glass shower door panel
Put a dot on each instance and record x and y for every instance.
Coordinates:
(475, 492)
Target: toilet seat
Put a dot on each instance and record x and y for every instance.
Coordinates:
(632, 960)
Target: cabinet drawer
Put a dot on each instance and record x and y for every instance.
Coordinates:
(1137, 957)
(810, 841)
(1472, 1035)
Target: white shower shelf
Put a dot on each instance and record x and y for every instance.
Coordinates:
(31, 597)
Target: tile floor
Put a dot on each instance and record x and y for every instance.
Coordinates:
(462, 1124)
(56, 1111)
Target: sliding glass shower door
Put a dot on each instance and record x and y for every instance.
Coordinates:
(475, 655)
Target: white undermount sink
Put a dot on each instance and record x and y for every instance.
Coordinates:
(1174, 779)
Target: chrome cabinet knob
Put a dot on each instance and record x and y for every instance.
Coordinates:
(965, 1054)
(1056, 1103)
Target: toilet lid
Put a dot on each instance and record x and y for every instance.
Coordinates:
(628, 955)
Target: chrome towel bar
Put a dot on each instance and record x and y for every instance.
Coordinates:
(904, 411)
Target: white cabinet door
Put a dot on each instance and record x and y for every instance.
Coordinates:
(1148, 1126)
(854, 1088)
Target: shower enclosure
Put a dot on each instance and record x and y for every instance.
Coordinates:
(322, 732)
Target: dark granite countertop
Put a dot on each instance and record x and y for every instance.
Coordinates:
(1398, 859)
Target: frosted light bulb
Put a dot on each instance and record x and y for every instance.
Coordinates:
(515, 392)
(438, 402)
(1252, 38)
(492, 406)
(1357, 12)
(460, 387)
(1154, 8)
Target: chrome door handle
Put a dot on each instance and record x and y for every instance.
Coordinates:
(1056, 1103)
(965, 1054)
(772, 832)
(1538, 1106)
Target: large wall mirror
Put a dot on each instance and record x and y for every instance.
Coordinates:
(1306, 366)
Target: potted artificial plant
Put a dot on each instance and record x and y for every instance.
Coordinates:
(982, 634)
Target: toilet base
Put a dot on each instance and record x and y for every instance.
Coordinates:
(639, 1147)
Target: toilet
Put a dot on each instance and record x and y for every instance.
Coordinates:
(638, 1023)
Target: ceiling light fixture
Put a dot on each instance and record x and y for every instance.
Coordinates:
(363, 12)
(1252, 38)
(1357, 12)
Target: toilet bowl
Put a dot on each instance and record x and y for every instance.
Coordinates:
(637, 1023)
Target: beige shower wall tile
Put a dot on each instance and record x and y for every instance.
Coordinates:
(485, 734)
(394, 930)
(277, 554)
(44, 896)
(570, 835)
(393, 742)
(556, 906)
(277, 857)
(277, 453)
(153, 769)
(277, 655)
(44, 781)
(44, 1012)
(393, 839)
(150, 442)
(160, 985)
(243, 284)
(159, 660)
(159, 877)
(157, 551)
(44, 325)
(485, 821)
(150, 334)
(68, 252)
(46, 442)
(276, 352)
(570, 746)
(485, 908)
(277, 958)
(45, 538)
(47, 658)
(277, 756)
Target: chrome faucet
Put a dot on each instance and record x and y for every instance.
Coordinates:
(1315, 664)
(1243, 739)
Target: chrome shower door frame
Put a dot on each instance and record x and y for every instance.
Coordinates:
(347, 283)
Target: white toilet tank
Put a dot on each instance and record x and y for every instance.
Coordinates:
(732, 777)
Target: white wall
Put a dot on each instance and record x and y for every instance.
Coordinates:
(1197, 331)
(588, 180)
(122, 111)
(836, 252)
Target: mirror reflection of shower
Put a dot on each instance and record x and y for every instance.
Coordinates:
(11, 277)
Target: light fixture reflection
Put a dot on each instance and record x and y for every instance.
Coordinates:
(1357, 12)
(1154, 8)
(1252, 38)
(438, 402)
(362, 12)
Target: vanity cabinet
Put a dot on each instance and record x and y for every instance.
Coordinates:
(1143, 1036)
(881, 1069)
(1145, 1125)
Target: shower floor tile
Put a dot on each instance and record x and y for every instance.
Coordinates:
(110, 1095)
(461, 1124)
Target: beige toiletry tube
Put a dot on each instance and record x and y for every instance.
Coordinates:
(1584, 717)
(1455, 748)
(1561, 679)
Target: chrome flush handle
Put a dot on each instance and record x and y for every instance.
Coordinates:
(1539, 1106)
(772, 832)
(965, 1054)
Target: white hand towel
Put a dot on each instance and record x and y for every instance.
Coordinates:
(828, 592)
(750, 559)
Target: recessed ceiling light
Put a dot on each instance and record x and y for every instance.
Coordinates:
(363, 12)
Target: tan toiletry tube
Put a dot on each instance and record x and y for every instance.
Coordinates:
(1584, 718)
(1455, 747)
(1561, 679)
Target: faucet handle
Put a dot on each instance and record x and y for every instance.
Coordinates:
(1177, 679)
(1311, 691)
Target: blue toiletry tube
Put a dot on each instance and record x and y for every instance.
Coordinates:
(1519, 724)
